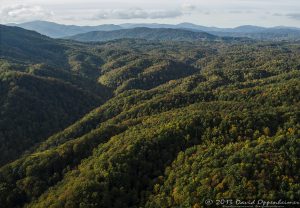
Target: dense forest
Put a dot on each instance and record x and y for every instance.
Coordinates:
(145, 33)
(147, 123)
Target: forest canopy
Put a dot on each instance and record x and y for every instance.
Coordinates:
(139, 123)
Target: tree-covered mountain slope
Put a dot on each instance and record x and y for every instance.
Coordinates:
(186, 122)
(18, 44)
(41, 89)
(32, 108)
(166, 34)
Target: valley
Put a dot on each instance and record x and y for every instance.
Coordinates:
(155, 118)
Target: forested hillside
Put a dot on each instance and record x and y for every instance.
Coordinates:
(139, 123)
(45, 86)
(145, 33)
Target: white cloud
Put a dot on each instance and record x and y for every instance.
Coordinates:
(22, 13)
(136, 13)
(241, 11)
(93, 12)
(188, 7)
(295, 16)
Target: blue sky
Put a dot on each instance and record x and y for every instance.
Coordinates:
(219, 13)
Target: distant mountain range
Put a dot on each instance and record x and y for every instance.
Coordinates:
(164, 34)
(55, 30)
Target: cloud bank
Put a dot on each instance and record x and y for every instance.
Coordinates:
(210, 13)
(136, 13)
(295, 16)
(21, 13)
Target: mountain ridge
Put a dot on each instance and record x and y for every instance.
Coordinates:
(56, 30)
(165, 34)
(59, 30)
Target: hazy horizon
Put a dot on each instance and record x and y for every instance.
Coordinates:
(216, 13)
(158, 23)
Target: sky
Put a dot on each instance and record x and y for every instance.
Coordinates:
(220, 13)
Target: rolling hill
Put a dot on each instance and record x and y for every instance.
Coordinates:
(147, 123)
(164, 34)
(264, 34)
